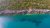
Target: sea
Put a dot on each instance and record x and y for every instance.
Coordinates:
(27, 21)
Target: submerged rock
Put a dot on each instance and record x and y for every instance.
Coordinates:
(37, 22)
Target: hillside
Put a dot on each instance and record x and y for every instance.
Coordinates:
(25, 4)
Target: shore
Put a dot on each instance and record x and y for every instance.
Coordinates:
(33, 11)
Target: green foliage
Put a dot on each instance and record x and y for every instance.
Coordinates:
(39, 4)
(42, 4)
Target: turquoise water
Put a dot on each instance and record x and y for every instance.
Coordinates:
(29, 21)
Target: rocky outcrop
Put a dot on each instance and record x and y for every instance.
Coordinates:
(36, 11)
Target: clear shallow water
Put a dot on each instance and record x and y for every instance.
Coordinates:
(29, 21)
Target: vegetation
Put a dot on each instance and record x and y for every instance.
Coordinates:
(22, 4)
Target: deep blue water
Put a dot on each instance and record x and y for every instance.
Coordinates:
(29, 21)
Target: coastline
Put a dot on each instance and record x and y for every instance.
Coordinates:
(23, 12)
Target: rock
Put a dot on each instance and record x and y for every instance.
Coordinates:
(37, 22)
(37, 11)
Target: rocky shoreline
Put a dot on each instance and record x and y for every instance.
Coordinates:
(30, 11)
